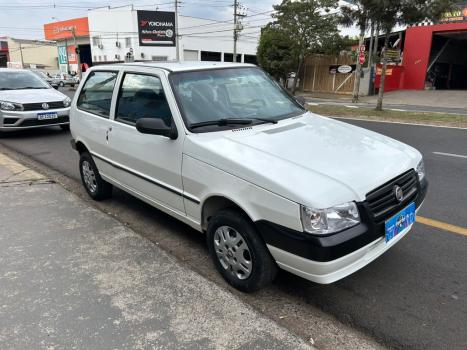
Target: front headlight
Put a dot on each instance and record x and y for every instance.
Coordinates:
(10, 106)
(420, 170)
(331, 220)
(67, 102)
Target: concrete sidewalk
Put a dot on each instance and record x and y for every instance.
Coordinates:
(427, 99)
(72, 277)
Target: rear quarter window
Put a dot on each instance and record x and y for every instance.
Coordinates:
(96, 94)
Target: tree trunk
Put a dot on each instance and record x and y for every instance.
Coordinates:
(295, 79)
(358, 71)
(370, 49)
(379, 105)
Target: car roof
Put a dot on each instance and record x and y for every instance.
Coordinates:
(14, 70)
(178, 66)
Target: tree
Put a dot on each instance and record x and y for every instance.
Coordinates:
(308, 25)
(358, 13)
(275, 54)
(390, 13)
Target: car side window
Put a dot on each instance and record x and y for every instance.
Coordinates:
(142, 96)
(96, 94)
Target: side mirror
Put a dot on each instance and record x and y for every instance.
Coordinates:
(301, 100)
(156, 126)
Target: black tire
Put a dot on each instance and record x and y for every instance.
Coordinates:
(263, 267)
(65, 127)
(61, 84)
(98, 189)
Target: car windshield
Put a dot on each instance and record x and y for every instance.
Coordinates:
(19, 80)
(208, 98)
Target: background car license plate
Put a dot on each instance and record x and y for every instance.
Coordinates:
(400, 222)
(47, 116)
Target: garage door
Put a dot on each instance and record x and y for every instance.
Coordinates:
(190, 55)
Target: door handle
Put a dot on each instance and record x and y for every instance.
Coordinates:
(107, 134)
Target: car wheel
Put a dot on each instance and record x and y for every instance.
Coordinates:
(61, 84)
(96, 187)
(65, 127)
(238, 252)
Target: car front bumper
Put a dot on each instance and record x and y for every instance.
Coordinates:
(20, 120)
(330, 258)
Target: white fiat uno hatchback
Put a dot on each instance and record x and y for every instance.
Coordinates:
(223, 148)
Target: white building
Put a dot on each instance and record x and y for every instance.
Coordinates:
(116, 31)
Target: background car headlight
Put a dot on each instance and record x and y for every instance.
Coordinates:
(326, 221)
(10, 106)
(67, 102)
(421, 170)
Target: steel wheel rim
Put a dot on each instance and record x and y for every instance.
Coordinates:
(233, 252)
(89, 176)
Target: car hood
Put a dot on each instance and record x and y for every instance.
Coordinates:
(31, 95)
(311, 160)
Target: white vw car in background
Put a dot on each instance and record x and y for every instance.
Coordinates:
(27, 101)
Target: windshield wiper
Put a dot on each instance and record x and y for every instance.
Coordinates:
(222, 122)
(31, 88)
(267, 120)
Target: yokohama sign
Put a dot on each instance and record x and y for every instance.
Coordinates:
(156, 28)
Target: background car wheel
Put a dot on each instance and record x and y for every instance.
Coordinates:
(61, 84)
(238, 252)
(96, 187)
(65, 127)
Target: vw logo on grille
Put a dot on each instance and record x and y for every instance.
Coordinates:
(45, 106)
(398, 193)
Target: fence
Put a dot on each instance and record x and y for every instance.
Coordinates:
(316, 77)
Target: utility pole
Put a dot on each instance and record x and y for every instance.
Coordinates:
(237, 26)
(235, 33)
(77, 53)
(177, 46)
(21, 52)
(67, 60)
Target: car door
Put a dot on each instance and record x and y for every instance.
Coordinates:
(149, 165)
(94, 106)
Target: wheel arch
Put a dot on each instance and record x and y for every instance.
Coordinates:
(81, 147)
(216, 203)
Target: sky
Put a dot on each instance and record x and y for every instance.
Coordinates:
(25, 18)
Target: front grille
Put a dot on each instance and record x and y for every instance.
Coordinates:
(382, 203)
(38, 106)
(35, 122)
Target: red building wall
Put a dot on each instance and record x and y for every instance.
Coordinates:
(417, 50)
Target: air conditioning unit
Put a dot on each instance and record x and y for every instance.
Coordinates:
(142, 54)
(100, 46)
(117, 44)
(117, 57)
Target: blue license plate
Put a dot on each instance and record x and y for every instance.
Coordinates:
(47, 116)
(400, 222)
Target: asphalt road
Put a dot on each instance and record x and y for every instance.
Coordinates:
(414, 296)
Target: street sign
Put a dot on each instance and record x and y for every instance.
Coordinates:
(361, 58)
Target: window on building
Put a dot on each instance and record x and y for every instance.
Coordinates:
(228, 57)
(142, 96)
(105, 58)
(96, 95)
(95, 40)
(127, 42)
(159, 58)
(250, 59)
(100, 58)
(211, 56)
(94, 58)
